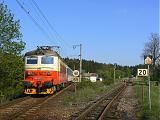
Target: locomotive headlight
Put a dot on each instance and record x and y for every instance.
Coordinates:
(30, 73)
(48, 73)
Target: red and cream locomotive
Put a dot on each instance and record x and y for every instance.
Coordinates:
(45, 71)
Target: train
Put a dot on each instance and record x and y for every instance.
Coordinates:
(45, 71)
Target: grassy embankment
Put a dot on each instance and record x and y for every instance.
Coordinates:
(144, 112)
(87, 91)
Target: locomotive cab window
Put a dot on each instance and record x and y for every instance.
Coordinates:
(47, 60)
(32, 60)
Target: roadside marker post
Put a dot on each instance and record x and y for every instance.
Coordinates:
(142, 73)
(146, 72)
(148, 61)
(149, 97)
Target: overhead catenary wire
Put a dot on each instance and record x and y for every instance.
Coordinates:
(29, 8)
(35, 22)
(49, 24)
(46, 23)
(43, 21)
(57, 35)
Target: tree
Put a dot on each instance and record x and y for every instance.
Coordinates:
(10, 36)
(152, 47)
(11, 46)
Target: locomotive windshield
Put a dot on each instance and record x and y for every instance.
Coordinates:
(47, 60)
(32, 60)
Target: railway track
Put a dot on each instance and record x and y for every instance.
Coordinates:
(24, 108)
(99, 109)
(15, 101)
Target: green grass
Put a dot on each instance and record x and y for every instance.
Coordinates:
(86, 91)
(144, 112)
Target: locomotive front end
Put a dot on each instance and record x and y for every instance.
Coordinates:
(40, 72)
(45, 72)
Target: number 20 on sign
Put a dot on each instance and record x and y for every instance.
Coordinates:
(142, 72)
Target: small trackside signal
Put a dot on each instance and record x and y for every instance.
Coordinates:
(75, 73)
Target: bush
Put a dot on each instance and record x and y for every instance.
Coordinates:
(86, 84)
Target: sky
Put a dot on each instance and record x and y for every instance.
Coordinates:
(110, 31)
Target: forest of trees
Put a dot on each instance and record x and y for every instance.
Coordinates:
(106, 71)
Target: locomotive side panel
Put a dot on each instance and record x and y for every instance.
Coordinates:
(69, 74)
(62, 72)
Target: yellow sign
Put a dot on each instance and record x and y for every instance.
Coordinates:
(148, 61)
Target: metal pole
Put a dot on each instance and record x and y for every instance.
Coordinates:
(80, 63)
(149, 89)
(114, 74)
(80, 68)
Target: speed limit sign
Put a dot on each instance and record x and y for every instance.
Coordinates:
(142, 72)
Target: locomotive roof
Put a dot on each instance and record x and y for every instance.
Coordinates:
(41, 52)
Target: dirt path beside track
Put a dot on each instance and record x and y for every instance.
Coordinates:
(128, 104)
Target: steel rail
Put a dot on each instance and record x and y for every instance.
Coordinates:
(37, 106)
(101, 117)
(107, 106)
(59, 93)
(13, 102)
(34, 106)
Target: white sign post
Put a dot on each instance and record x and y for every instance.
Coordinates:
(148, 61)
(149, 89)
